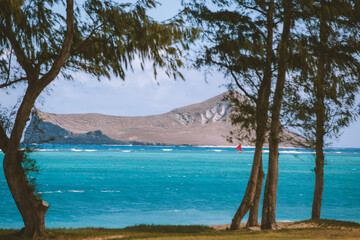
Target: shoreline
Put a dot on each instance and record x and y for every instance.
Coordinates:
(282, 224)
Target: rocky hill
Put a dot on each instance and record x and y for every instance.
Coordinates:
(204, 123)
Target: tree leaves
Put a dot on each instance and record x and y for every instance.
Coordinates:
(108, 37)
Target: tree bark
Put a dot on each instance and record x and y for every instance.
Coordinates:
(320, 119)
(250, 191)
(262, 106)
(254, 210)
(319, 183)
(269, 203)
(32, 209)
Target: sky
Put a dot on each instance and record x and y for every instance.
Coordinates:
(140, 94)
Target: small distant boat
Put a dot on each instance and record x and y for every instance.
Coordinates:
(239, 148)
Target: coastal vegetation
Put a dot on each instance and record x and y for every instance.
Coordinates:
(320, 98)
(100, 38)
(269, 50)
(232, 35)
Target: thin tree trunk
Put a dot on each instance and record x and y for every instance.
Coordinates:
(269, 203)
(254, 210)
(319, 184)
(320, 118)
(262, 107)
(249, 193)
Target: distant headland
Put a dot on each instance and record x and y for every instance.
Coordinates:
(205, 123)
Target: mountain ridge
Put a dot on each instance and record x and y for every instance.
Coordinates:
(204, 123)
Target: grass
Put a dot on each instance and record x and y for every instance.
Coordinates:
(325, 229)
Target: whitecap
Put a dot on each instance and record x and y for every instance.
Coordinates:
(109, 191)
(217, 150)
(50, 192)
(126, 151)
(167, 149)
(90, 150)
(296, 152)
(75, 150)
(77, 191)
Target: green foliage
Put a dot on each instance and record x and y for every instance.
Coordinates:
(108, 37)
(100, 37)
(324, 72)
(235, 36)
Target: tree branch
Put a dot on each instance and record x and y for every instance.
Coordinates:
(65, 51)
(241, 88)
(254, 8)
(9, 67)
(249, 79)
(7, 84)
(87, 38)
(258, 75)
(20, 55)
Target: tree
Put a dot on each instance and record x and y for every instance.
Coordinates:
(321, 98)
(238, 41)
(269, 203)
(101, 38)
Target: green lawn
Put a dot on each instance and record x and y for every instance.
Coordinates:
(324, 229)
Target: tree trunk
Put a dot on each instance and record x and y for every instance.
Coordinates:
(250, 191)
(319, 184)
(269, 203)
(320, 118)
(32, 209)
(262, 106)
(254, 210)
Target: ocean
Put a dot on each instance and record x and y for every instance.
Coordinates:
(119, 186)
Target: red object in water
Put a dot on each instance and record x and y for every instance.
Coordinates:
(239, 148)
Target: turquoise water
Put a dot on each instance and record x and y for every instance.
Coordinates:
(118, 186)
